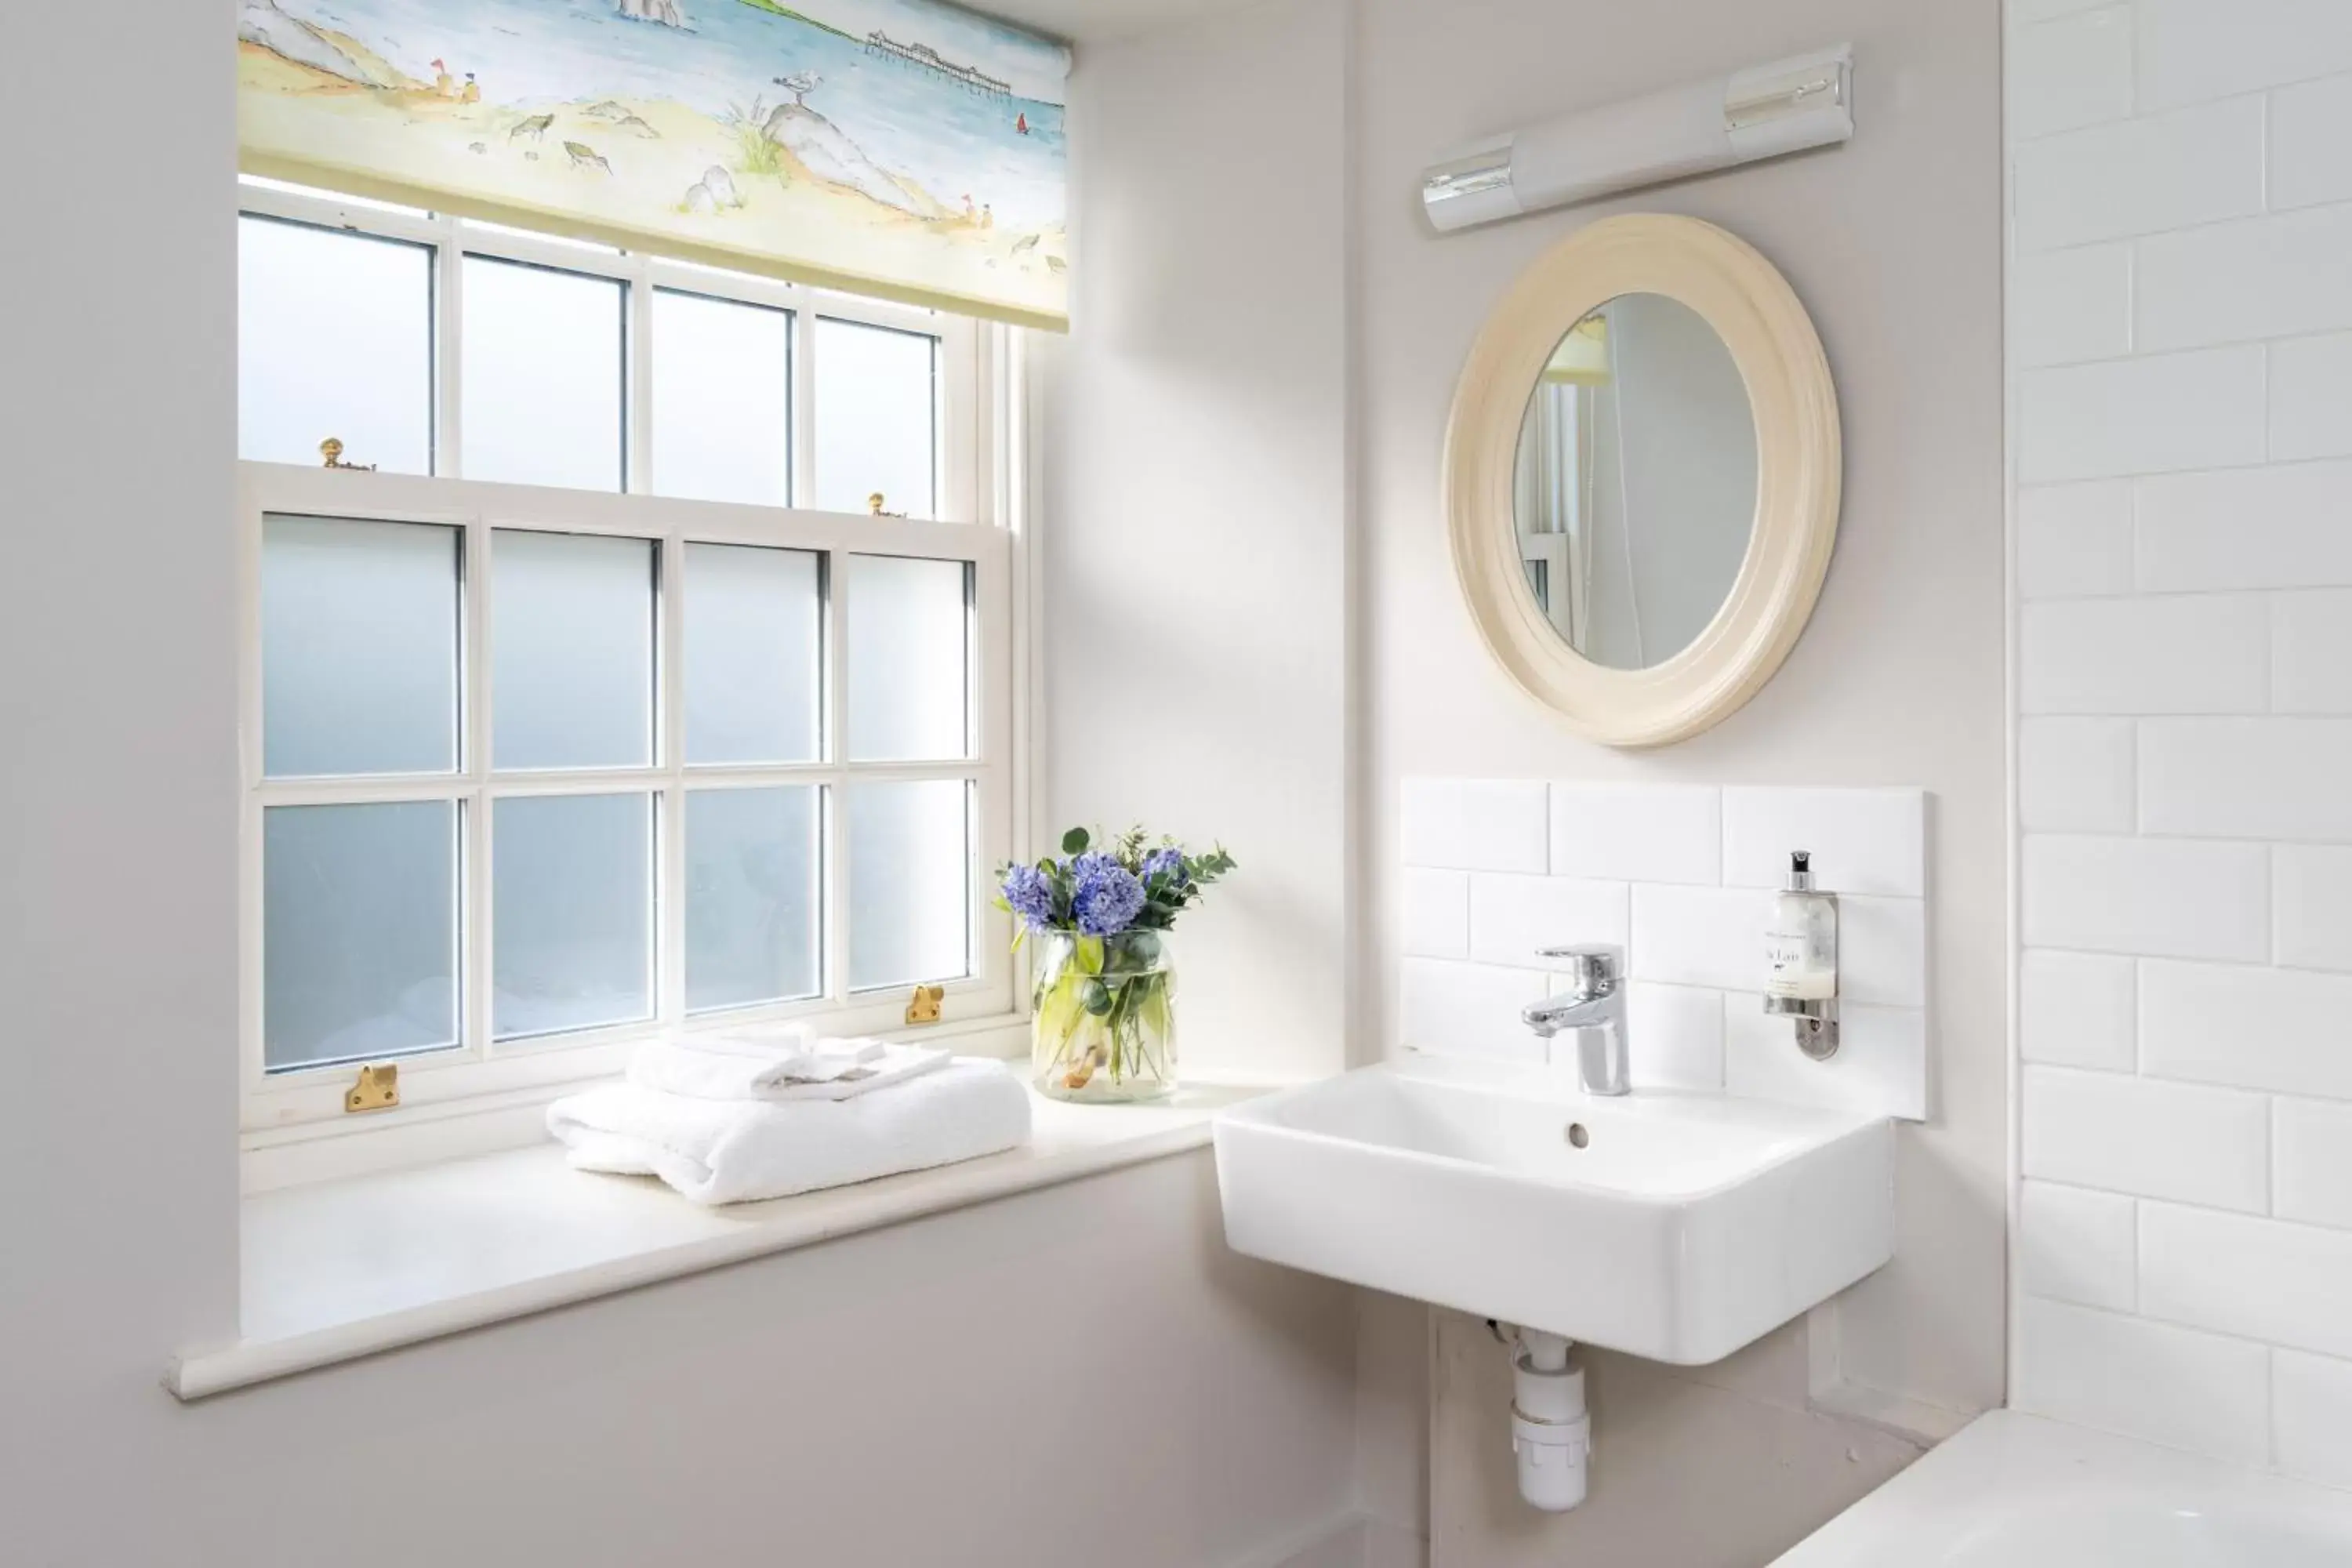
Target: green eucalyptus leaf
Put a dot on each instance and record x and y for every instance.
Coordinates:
(1095, 998)
(1075, 841)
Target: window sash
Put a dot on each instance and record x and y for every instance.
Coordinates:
(966, 470)
(478, 1068)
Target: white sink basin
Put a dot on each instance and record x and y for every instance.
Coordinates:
(1674, 1226)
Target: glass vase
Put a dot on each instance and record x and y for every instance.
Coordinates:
(1103, 1020)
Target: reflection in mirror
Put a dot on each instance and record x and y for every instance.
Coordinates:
(1634, 491)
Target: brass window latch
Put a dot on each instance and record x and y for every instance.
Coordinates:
(378, 1088)
(331, 450)
(923, 1006)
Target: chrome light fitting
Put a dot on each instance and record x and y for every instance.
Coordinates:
(1761, 112)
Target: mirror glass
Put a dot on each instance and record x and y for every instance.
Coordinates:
(1634, 490)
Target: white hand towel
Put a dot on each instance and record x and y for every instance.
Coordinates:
(797, 1056)
(857, 1067)
(719, 1152)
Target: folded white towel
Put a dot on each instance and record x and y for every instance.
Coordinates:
(796, 1054)
(825, 1070)
(725, 1151)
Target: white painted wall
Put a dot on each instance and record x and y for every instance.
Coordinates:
(1198, 558)
(1891, 242)
(1080, 1376)
(2181, 419)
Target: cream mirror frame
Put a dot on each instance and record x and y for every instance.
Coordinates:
(1764, 326)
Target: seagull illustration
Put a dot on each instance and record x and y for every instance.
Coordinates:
(800, 84)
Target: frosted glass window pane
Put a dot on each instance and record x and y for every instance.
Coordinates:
(751, 897)
(877, 411)
(358, 932)
(334, 337)
(909, 847)
(910, 643)
(571, 901)
(572, 645)
(542, 375)
(722, 400)
(359, 646)
(751, 666)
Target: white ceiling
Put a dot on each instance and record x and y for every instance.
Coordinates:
(1088, 21)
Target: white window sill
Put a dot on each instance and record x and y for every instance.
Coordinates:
(342, 1270)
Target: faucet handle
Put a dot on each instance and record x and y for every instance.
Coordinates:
(1594, 967)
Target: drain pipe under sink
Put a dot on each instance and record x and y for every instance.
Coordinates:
(1551, 1434)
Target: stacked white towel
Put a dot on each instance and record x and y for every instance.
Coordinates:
(733, 1067)
(728, 1119)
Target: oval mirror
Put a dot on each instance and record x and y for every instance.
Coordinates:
(1634, 491)
(1642, 477)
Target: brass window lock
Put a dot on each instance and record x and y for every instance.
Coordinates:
(378, 1088)
(923, 1006)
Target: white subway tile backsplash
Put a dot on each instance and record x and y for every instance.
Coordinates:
(2191, 51)
(2311, 652)
(1511, 918)
(2076, 775)
(1475, 824)
(2239, 282)
(1675, 1036)
(2310, 143)
(2074, 541)
(2258, 527)
(2139, 177)
(2067, 306)
(1435, 921)
(1699, 936)
(2246, 778)
(2311, 1397)
(2187, 653)
(2260, 1279)
(2155, 1140)
(1880, 1062)
(2146, 1380)
(2070, 72)
(2078, 1009)
(1861, 841)
(2314, 909)
(1452, 1008)
(2075, 1244)
(2170, 897)
(2284, 1029)
(1883, 950)
(2311, 397)
(2310, 1162)
(2150, 416)
(1638, 833)
(1645, 867)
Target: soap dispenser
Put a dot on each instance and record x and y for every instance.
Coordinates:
(1800, 959)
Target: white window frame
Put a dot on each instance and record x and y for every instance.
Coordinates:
(982, 424)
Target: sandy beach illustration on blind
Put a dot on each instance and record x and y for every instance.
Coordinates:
(899, 140)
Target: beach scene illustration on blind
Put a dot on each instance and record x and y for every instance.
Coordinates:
(904, 143)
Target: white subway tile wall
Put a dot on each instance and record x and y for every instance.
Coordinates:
(2180, 352)
(1679, 875)
(2077, 1245)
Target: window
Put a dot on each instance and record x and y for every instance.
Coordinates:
(604, 703)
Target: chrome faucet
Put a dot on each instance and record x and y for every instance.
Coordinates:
(1595, 1008)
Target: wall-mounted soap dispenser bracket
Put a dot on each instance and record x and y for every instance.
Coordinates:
(1801, 960)
(1817, 1024)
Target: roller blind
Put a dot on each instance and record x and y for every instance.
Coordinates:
(904, 148)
